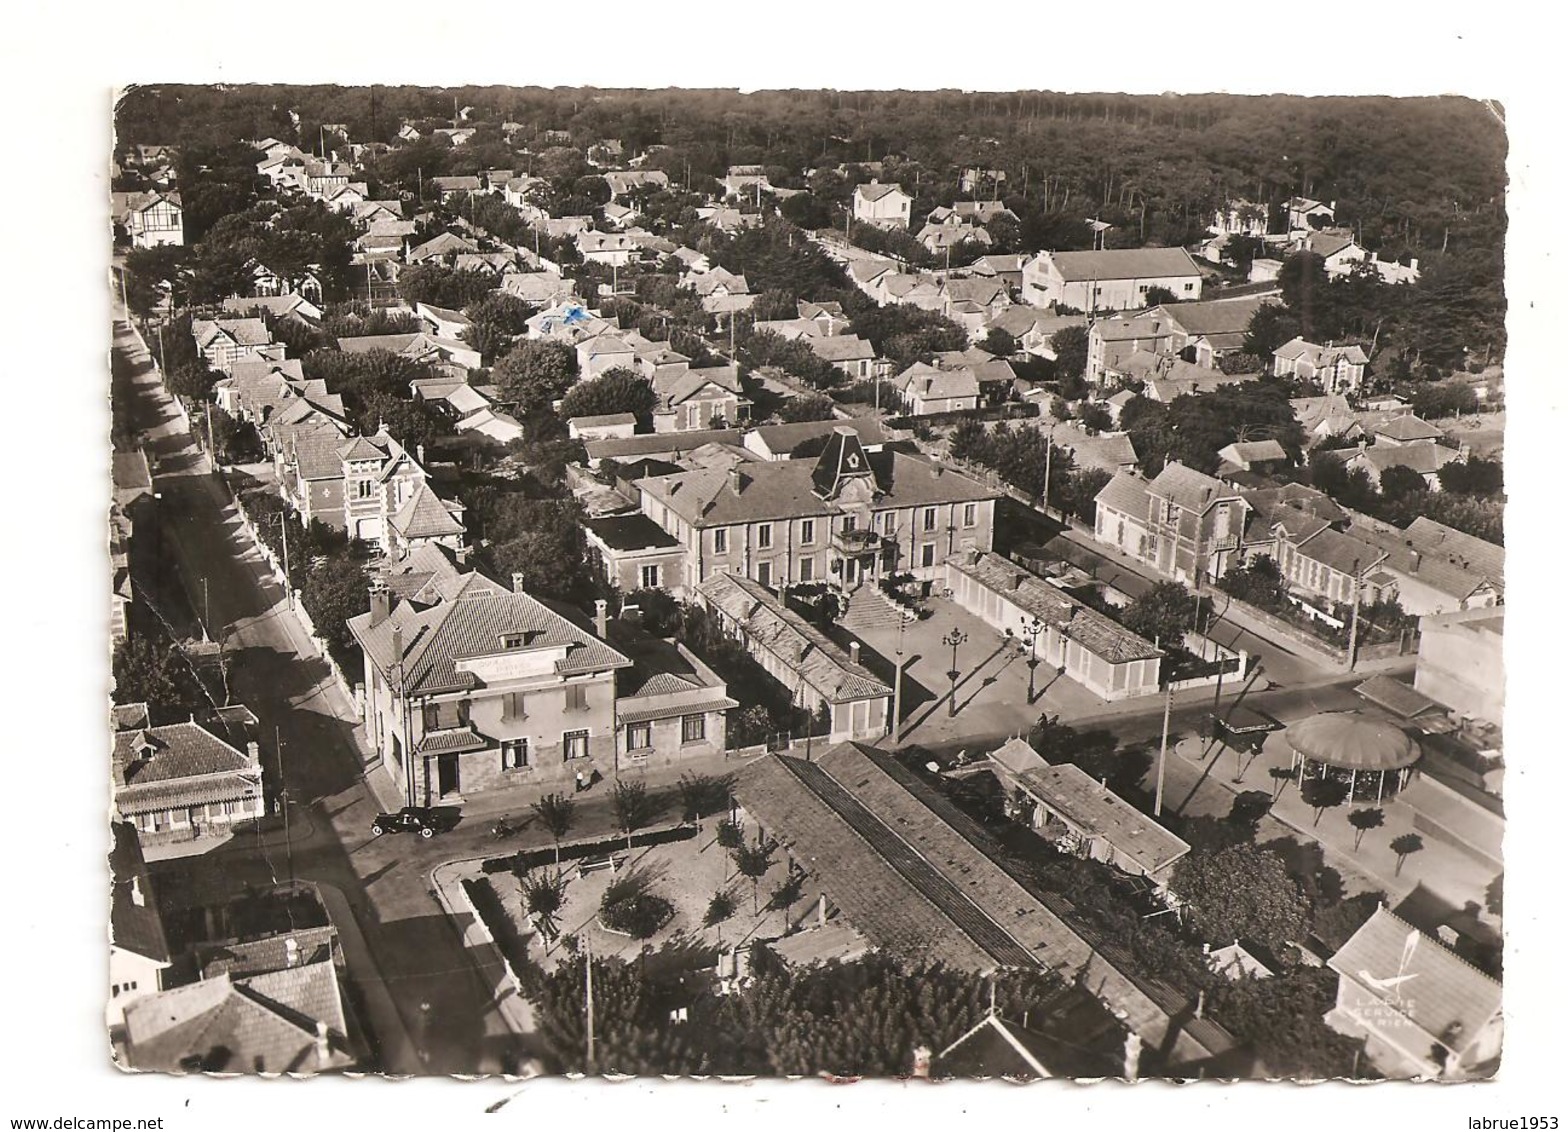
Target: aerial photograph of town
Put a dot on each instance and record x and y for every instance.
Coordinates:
(866, 584)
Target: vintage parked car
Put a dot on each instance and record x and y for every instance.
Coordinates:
(410, 819)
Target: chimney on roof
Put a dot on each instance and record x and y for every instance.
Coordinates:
(922, 1063)
(138, 897)
(738, 480)
(601, 618)
(854, 652)
(419, 453)
(380, 603)
(323, 1042)
(397, 644)
(253, 750)
(291, 953)
(1415, 560)
(517, 583)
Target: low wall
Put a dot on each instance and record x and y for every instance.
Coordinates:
(1289, 637)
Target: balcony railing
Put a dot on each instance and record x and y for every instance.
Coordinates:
(856, 541)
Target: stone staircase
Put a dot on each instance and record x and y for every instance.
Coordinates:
(870, 612)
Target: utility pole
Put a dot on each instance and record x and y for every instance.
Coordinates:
(1045, 490)
(206, 611)
(283, 800)
(288, 591)
(1165, 736)
(588, 996)
(1355, 615)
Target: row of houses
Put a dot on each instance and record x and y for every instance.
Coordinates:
(1193, 528)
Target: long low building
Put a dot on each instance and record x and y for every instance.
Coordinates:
(797, 655)
(1083, 817)
(919, 880)
(1110, 660)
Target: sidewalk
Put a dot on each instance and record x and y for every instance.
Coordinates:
(506, 996)
(390, 1037)
(1210, 786)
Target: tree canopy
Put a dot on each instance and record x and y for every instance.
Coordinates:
(1242, 892)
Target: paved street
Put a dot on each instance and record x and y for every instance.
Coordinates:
(443, 1021)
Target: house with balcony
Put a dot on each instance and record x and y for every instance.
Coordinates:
(387, 500)
(883, 206)
(472, 688)
(820, 675)
(847, 517)
(1183, 523)
(1114, 279)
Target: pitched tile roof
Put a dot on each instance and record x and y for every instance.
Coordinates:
(768, 624)
(1210, 317)
(426, 516)
(274, 953)
(134, 922)
(1407, 427)
(264, 1023)
(176, 750)
(1448, 560)
(1072, 793)
(1422, 456)
(1128, 263)
(784, 438)
(877, 192)
(471, 624)
(1092, 629)
(1450, 1001)
(919, 879)
(1127, 493)
(933, 383)
(1342, 552)
(782, 489)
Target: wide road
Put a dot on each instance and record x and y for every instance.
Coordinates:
(413, 962)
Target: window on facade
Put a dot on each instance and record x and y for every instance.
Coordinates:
(765, 535)
(721, 541)
(512, 706)
(1187, 287)
(650, 577)
(808, 530)
(765, 573)
(362, 489)
(694, 728)
(928, 554)
(574, 745)
(445, 715)
(639, 736)
(576, 697)
(512, 641)
(806, 567)
(928, 519)
(971, 514)
(889, 522)
(514, 754)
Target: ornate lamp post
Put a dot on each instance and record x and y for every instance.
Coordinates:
(1031, 629)
(953, 639)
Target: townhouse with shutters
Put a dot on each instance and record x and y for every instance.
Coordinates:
(1183, 523)
(849, 517)
(472, 688)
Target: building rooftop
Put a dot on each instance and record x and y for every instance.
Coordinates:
(769, 624)
(1070, 792)
(1128, 263)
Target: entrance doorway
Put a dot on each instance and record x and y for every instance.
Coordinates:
(446, 775)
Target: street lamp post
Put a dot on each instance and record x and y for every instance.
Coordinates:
(953, 639)
(898, 678)
(1031, 629)
(283, 524)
